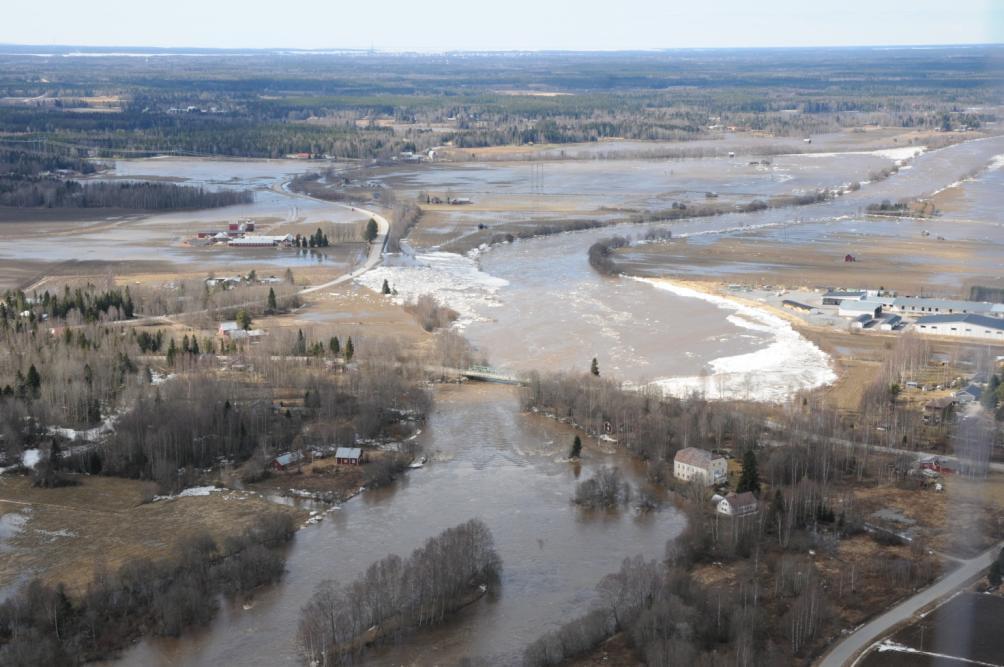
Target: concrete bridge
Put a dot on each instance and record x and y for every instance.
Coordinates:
(480, 373)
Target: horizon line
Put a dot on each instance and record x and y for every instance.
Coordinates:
(109, 49)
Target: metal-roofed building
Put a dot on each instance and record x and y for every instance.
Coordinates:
(962, 326)
(836, 297)
(915, 305)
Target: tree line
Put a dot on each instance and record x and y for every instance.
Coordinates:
(43, 625)
(397, 594)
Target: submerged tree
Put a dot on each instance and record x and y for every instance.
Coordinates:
(576, 448)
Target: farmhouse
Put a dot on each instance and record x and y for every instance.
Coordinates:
(693, 464)
(738, 504)
(352, 456)
(228, 328)
(962, 326)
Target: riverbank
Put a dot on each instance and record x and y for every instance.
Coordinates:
(788, 364)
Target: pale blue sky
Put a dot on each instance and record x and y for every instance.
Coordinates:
(438, 25)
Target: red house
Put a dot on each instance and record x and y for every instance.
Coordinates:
(286, 461)
(352, 456)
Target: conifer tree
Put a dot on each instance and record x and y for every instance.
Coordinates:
(349, 349)
(750, 479)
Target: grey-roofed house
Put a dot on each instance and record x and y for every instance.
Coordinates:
(962, 326)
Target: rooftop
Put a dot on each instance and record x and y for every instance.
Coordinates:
(963, 318)
(740, 501)
(696, 457)
(348, 452)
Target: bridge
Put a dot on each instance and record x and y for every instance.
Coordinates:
(480, 373)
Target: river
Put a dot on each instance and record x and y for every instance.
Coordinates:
(530, 304)
(488, 461)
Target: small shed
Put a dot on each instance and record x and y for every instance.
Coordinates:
(284, 462)
(352, 456)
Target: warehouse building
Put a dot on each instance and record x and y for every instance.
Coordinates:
(962, 326)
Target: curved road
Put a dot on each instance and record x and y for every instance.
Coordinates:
(849, 649)
(376, 247)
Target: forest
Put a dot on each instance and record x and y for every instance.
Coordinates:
(248, 104)
(40, 177)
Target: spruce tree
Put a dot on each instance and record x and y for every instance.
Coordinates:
(576, 448)
(386, 287)
(594, 368)
(349, 349)
(34, 382)
(371, 231)
(172, 352)
(271, 304)
(750, 479)
(334, 346)
(300, 347)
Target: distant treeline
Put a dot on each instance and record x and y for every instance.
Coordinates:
(56, 193)
(43, 625)
(261, 105)
(983, 293)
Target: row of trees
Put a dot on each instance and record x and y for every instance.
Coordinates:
(43, 625)
(396, 594)
(50, 192)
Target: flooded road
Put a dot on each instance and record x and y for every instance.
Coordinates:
(488, 461)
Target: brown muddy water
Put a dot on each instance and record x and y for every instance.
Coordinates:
(489, 461)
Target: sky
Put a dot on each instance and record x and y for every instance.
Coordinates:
(476, 25)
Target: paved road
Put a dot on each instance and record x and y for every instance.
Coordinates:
(845, 651)
(376, 247)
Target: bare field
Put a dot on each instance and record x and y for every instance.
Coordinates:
(909, 265)
(63, 534)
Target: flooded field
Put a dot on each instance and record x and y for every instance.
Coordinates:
(961, 632)
(487, 460)
(538, 304)
(159, 237)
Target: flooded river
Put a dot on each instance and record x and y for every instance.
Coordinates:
(488, 461)
(537, 304)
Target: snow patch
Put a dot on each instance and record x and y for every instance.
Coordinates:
(191, 492)
(788, 364)
(30, 457)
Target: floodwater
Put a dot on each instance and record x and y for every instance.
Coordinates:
(537, 304)
(489, 461)
(158, 237)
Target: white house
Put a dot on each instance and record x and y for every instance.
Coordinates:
(228, 328)
(738, 504)
(693, 464)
